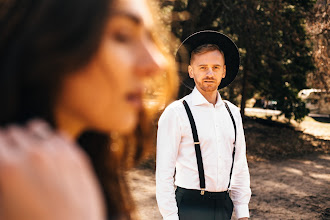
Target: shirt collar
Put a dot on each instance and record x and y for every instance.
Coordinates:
(198, 99)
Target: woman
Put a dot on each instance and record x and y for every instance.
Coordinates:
(75, 70)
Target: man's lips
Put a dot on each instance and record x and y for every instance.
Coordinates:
(209, 81)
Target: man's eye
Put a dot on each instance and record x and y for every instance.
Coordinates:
(203, 68)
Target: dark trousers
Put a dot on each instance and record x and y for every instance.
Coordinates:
(210, 206)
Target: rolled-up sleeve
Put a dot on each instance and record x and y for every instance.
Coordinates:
(168, 140)
(240, 186)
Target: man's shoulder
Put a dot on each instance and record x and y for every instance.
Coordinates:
(173, 109)
(233, 108)
(175, 104)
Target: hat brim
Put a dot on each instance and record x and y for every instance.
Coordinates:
(225, 44)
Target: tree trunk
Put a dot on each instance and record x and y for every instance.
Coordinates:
(189, 26)
(243, 100)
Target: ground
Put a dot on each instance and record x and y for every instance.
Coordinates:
(291, 189)
(289, 167)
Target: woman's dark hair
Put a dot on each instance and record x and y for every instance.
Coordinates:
(41, 41)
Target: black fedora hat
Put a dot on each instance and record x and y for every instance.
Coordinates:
(225, 44)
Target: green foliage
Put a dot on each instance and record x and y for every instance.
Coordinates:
(271, 36)
(290, 104)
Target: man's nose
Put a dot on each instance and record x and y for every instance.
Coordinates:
(210, 72)
(150, 60)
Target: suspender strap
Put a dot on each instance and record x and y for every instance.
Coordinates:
(232, 164)
(197, 148)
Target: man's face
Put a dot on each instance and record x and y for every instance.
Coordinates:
(207, 69)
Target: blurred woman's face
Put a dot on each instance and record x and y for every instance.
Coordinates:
(105, 95)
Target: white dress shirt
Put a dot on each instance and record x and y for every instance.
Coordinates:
(176, 153)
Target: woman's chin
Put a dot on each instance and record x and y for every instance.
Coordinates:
(122, 124)
(127, 126)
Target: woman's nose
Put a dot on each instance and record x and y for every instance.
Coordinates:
(150, 60)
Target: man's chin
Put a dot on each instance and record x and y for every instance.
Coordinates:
(210, 88)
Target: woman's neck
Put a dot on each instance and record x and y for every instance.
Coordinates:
(68, 123)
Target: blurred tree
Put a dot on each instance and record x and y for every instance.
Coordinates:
(275, 56)
(319, 29)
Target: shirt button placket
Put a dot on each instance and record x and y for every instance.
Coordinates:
(218, 141)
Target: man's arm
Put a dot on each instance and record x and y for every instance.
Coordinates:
(240, 187)
(168, 140)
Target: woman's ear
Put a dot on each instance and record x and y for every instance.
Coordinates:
(190, 71)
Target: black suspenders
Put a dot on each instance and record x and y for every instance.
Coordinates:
(232, 164)
(198, 149)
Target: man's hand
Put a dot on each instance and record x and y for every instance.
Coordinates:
(43, 175)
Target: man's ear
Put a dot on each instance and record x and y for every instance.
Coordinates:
(224, 71)
(190, 71)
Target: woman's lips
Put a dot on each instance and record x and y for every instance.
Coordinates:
(135, 99)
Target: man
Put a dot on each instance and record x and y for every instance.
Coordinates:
(201, 153)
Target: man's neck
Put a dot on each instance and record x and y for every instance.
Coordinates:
(211, 97)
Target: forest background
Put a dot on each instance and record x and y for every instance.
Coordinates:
(283, 45)
(284, 48)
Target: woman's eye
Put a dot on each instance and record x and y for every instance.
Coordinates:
(122, 37)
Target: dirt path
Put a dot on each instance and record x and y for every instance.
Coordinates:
(281, 189)
(291, 189)
(288, 189)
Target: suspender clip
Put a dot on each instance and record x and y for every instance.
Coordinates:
(202, 191)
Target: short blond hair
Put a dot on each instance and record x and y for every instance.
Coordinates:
(205, 48)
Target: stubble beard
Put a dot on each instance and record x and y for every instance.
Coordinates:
(208, 88)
